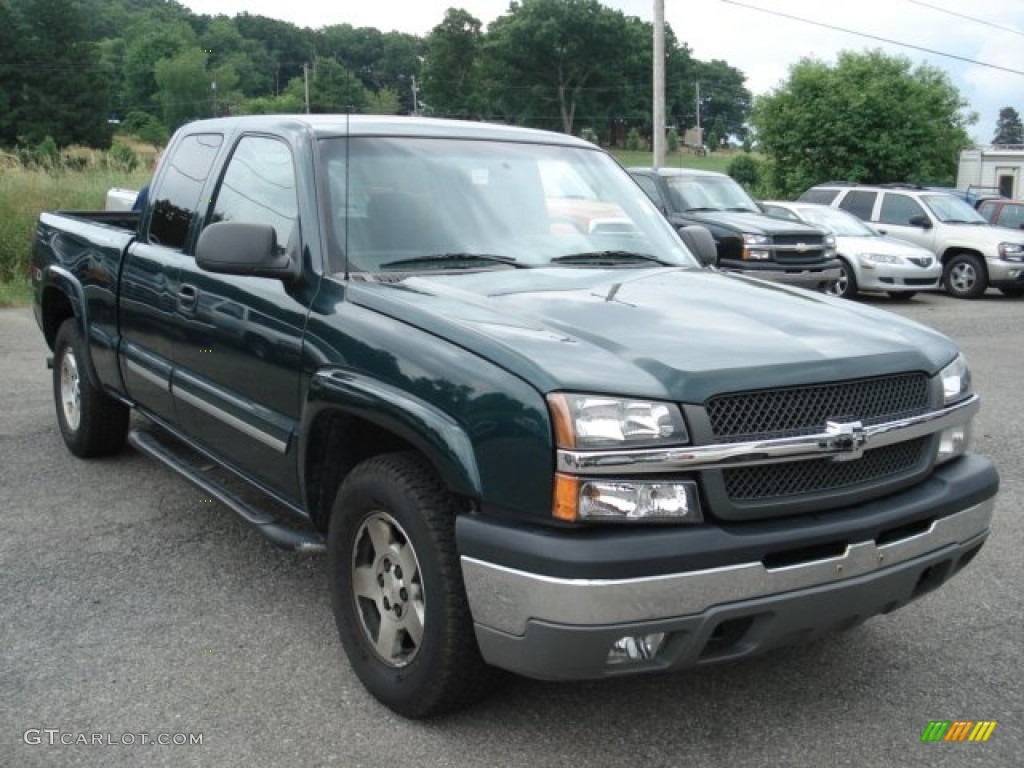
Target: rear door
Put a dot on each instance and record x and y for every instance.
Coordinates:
(238, 362)
(149, 288)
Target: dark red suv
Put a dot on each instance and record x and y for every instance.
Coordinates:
(1003, 213)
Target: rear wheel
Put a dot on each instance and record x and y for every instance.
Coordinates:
(91, 422)
(846, 285)
(964, 276)
(397, 591)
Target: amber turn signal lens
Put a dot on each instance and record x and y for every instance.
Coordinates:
(566, 499)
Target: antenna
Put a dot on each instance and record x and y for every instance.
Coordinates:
(348, 191)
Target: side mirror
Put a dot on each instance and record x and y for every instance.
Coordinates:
(920, 220)
(701, 244)
(240, 248)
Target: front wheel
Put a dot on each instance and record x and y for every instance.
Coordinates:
(846, 285)
(91, 422)
(964, 276)
(397, 590)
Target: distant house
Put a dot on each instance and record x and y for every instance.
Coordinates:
(998, 167)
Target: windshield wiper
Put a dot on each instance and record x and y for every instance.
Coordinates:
(740, 209)
(454, 258)
(699, 210)
(602, 258)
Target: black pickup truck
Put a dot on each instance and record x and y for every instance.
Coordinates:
(477, 367)
(747, 240)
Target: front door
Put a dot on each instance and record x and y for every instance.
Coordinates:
(896, 214)
(238, 362)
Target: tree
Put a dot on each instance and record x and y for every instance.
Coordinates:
(451, 71)
(12, 65)
(140, 58)
(870, 117)
(546, 58)
(723, 97)
(185, 92)
(64, 91)
(332, 88)
(383, 102)
(1008, 127)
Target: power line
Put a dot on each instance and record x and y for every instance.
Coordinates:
(875, 37)
(992, 24)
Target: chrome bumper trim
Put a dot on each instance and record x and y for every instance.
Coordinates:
(719, 456)
(506, 599)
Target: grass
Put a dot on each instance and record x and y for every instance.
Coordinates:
(717, 161)
(25, 193)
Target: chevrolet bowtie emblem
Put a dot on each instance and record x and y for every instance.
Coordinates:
(801, 247)
(846, 436)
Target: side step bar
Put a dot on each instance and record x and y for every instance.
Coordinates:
(306, 542)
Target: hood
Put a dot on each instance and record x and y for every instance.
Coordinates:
(973, 234)
(681, 334)
(893, 246)
(755, 223)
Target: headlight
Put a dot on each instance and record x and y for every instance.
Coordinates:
(1011, 251)
(830, 246)
(880, 258)
(580, 499)
(594, 421)
(755, 254)
(956, 381)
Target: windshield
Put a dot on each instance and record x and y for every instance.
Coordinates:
(952, 210)
(839, 222)
(410, 204)
(708, 193)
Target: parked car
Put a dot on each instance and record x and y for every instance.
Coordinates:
(747, 240)
(870, 260)
(1003, 212)
(569, 454)
(974, 255)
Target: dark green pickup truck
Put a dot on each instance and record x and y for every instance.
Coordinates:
(480, 369)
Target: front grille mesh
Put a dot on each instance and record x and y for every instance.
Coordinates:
(775, 413)
(774, 481)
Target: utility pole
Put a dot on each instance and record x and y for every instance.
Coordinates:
(305, 77)
(415, 97)
(700, 136)
(213, 89)
(659, 83)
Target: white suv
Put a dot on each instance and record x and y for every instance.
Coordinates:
(974, 255)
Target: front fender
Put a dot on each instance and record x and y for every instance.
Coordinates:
(429, 429)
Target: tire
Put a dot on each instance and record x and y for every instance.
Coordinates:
(902, 295)
(392, 515)
(846, 286)
(1012, 290)
(91, 422)
(964, 276)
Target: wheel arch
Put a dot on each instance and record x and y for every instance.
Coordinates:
(350, 418)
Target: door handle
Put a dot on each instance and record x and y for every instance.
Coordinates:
(188, 296)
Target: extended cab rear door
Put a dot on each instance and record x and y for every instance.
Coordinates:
(150, 298)
(238, 358)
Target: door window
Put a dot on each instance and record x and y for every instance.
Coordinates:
(860, 203)
(259, 187)
(1011, 216)
(899, 210)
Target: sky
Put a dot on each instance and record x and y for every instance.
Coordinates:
(761, 45)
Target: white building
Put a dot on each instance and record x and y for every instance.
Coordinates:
(997, 167)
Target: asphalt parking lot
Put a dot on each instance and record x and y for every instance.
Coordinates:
(129, 607)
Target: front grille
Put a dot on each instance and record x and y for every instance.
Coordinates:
(768, 414)
(816, 241)
(774, 481)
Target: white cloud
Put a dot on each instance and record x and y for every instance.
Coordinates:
(762, 45)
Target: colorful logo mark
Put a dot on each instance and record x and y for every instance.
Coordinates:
(958, 730)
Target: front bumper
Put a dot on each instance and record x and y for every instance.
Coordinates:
(814, 278)
(1005, 273)
(898, 277)
(563, 626)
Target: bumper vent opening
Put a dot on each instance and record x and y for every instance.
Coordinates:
(726, 638)
(901, 532)
(966, 557)
(933, 576)
(803, 555)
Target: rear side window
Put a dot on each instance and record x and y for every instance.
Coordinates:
(823, 196)
(899, 210)
(860, 203)
(1011, 216)
(181, 184)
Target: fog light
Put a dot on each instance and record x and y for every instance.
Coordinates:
(634, 648)
(953, 442)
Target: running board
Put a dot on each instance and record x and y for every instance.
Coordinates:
(306, 542)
